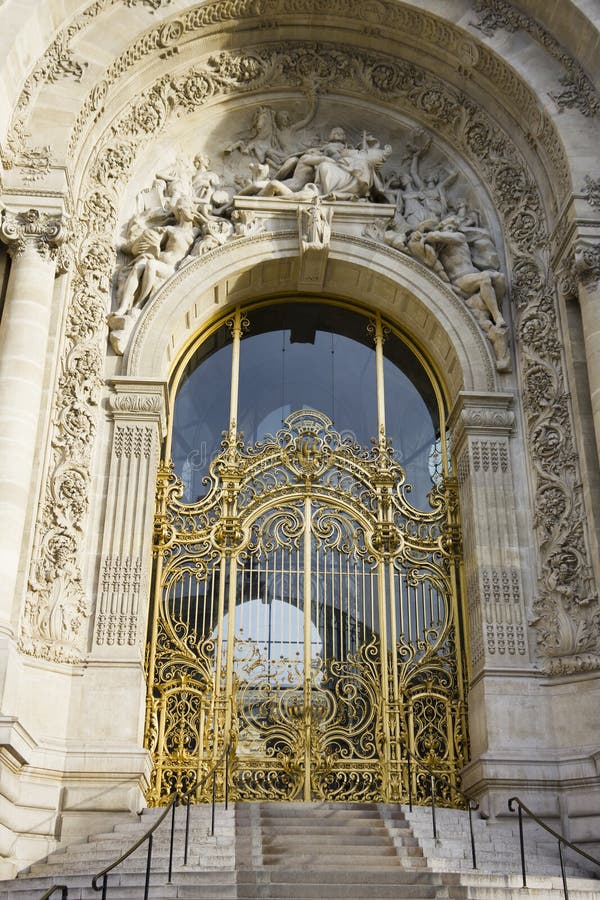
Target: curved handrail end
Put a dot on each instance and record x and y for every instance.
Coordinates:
(64, 891)
(555, 834)
(174, 801)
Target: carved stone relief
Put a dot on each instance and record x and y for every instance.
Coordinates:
(121, 585)
(587, 263)
(186, 212)
(151, 4)
(505, 628)
(54, 619)
(577, 89)
(182, 215)
(591, 191)
(502, 168)
(314, 235)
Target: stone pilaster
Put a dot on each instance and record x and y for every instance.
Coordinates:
(587, 270)
(33, 238)
(138, 411)
(481, 425)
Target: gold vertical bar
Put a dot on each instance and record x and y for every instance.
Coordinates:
(450, 745)
(153, 639)
(348, 604)
(220, 616)
(307, 645)
(236, 333)
(393, 635)
(385, 694)
(395, 681)
(412, 747)
(380, 374)
(231, 609)
(201, 748)
(160, 749)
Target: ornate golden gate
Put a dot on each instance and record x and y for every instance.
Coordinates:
(306, 613)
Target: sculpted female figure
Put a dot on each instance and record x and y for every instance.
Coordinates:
(156, 251)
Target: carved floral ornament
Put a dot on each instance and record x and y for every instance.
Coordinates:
(566, 609)
(587, 263)
(577, 91)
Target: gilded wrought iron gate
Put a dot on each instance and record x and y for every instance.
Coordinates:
(306, 613)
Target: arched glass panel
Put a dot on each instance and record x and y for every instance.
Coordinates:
(298, 356)
(201, 412)
(307, 356)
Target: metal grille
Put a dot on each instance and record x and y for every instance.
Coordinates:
(307, 614)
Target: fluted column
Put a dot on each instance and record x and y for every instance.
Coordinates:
(32, 238)
(587, 267)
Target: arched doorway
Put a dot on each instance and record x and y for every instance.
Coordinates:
(306, 605)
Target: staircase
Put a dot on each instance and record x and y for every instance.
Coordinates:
(310, 851)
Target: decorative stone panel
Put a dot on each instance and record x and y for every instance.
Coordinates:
(481, 426)
(138, 412)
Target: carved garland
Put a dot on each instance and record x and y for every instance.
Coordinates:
(566, 612)
(377, 14)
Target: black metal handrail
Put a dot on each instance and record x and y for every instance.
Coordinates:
(64, 891)
(562, 841)
(472, 804)
(170, 808)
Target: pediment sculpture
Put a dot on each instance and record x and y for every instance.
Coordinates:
(191, 208)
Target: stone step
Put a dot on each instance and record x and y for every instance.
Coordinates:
(311, 859)
(306, 891)
(344, 844)
(309, 852)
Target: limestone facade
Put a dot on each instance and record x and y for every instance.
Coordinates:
(456, 115)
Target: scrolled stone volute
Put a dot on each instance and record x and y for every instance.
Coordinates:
(33, 229)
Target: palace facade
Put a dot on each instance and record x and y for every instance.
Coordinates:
(299, 405)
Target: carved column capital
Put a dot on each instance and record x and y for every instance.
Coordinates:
(587, 263)
(32, 229)
(475, 413)
(139, 399)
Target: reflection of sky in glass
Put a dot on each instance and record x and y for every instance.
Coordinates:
(305, 356)
(201, 416)
(276, 632)
(412, 432)
(334, 375)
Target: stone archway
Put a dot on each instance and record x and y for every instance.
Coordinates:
(470, 93)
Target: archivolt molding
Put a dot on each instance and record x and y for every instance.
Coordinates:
(402, 276)
(577, 89)
(473, 58)
(566, 608)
